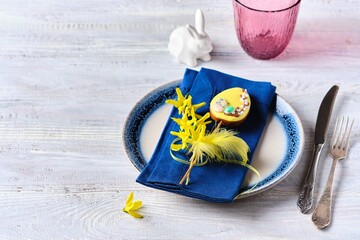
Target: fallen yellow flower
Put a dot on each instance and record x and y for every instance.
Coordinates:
(131, 206)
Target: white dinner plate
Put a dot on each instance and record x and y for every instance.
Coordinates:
(276, 155)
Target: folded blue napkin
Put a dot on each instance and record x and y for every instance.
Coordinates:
(215, 182)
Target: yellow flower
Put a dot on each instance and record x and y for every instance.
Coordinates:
(180, 100)
(184, 104)
(200, 120)
(131, 206)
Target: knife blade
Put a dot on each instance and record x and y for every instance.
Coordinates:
(305, 200)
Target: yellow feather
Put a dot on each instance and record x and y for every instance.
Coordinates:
(221, 146)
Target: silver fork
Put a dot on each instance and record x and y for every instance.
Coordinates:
(338, 149)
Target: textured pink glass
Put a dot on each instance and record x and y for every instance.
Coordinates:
(264, 27)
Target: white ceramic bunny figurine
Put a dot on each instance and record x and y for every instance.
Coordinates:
(188, 44)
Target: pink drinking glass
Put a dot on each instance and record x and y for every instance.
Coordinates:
(264, 27)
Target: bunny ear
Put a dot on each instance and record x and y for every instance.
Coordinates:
(200, 21)
(192, 31)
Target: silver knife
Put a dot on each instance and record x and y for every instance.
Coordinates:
(305, 200)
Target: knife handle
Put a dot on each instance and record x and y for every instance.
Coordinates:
(305, 200)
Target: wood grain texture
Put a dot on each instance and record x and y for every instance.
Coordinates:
(71, 71)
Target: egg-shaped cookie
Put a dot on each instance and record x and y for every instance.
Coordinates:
(230, 106)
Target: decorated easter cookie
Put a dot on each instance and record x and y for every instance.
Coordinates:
(231, 106)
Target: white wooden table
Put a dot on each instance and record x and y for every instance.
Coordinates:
(70, 72)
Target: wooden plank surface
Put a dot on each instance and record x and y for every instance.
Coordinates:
(71, 71)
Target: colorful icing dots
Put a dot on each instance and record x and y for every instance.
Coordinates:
(230, 106)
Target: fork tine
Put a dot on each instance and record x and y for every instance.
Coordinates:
(338, 141)
(346, 146)
(341, 144)
(334, 137)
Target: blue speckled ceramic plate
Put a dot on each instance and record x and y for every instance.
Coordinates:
(277, 154)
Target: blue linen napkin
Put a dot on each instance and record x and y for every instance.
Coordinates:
(213, 182)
